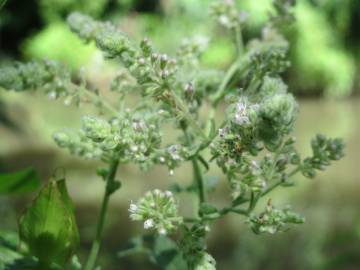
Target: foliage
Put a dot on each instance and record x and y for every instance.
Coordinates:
(56, 35)
(252, 144)
(19, 182)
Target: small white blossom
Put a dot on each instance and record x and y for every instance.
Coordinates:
(148, 224)
(133, 208)
(52, 95)
(224, 20)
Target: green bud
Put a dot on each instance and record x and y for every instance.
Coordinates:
(62, 139)
(206, 262)
(273, 220)
(96, 129)
(48, 227)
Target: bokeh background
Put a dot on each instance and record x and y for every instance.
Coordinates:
(325, 76)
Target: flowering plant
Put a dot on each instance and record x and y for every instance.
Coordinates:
(252, 144)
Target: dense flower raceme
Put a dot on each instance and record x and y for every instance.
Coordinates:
(252, 145)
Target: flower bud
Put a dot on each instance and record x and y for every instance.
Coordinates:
(96, 129)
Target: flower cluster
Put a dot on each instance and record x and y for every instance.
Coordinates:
(207, 262)
(252, 145)
(132, 136)
(194, 249)
(273, 220)
(227, 15)
(324, 151)
(106, 36)
(283, 12)
(158, 210)
(47, 75)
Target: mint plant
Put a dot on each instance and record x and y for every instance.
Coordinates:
(252, 144)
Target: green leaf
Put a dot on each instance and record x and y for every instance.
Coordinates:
(48, 227)
(203, 162)
(19, 182)
(167, 254)
(209, 211)
(2, 3)
(161, 250)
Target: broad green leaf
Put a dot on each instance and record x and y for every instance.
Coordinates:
(48, 227)
(19, 182)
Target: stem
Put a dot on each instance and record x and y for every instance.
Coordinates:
(221, 90)
(239, 40)
(90, 264)
(97, 98)
(198, 177)
(180, 104)
(199, 180)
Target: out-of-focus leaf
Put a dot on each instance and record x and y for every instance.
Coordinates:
(167, 254)
(161, 250)
(24, 264)
(2, 3)
(48, 227)
(19, 182)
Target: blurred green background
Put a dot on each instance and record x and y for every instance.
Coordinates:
(325, 55)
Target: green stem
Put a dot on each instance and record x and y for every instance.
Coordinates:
(220, 93)
(186, 114)
(199, 180)
(90, 264)
(239, 41)
(198, 177)
(97, 98)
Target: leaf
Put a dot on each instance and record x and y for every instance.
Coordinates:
(203, 162)
(19, 182)
(2, 3)
(161, 250)
(25, 264)
(209, 211)
(48, 227)
(167, 254)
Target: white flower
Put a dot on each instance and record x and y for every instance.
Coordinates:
(241, 119)
(162, 231)
(148, 224)
(171, 172)
(133, 208)
(162, 159)
(52, 95)
(174, 152)
(224, 20)
(222, 132)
